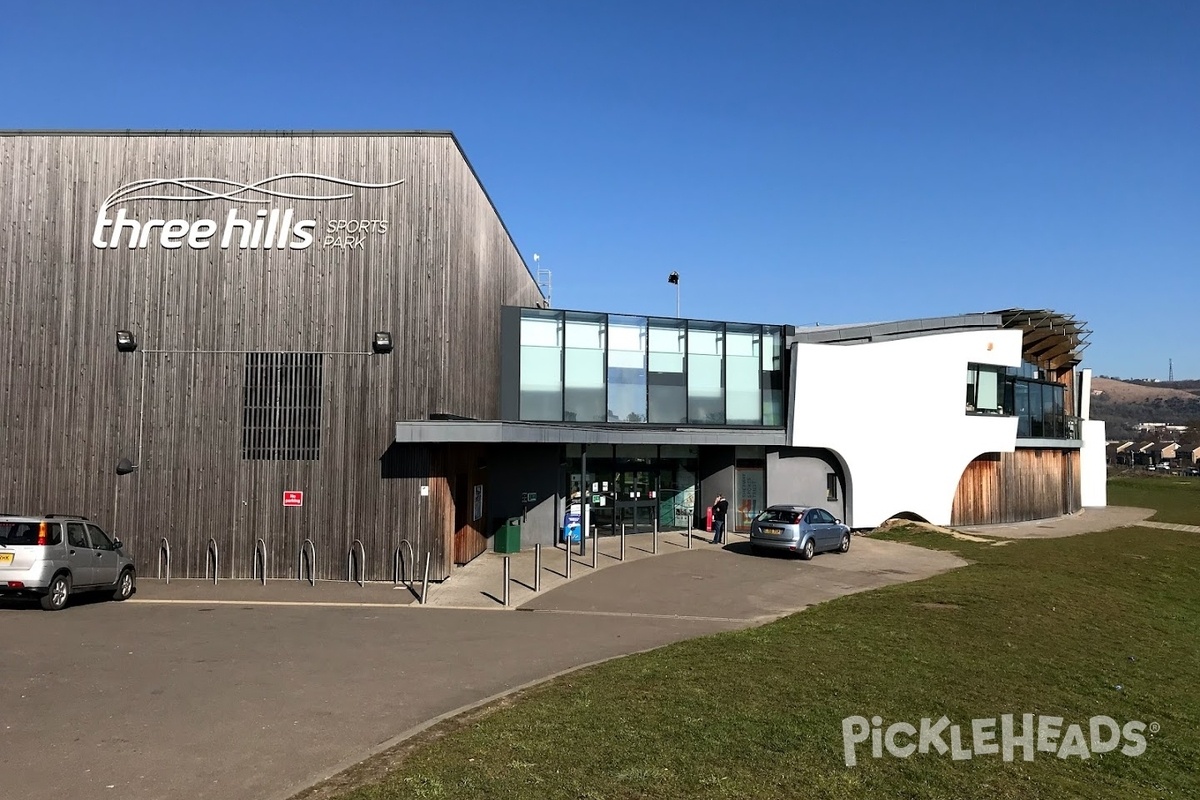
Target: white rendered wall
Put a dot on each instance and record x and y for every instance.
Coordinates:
(895, 413)
(1093, 469)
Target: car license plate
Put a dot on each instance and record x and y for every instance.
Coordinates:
(770, 531)
(6, 558)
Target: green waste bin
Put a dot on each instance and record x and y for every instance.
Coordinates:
(508, 536)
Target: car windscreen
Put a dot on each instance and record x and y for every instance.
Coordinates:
(18, 533)
(779, 515)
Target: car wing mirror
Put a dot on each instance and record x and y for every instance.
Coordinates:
(117, 544)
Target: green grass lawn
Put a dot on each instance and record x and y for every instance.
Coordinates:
(1177, 499)
(1103, 624)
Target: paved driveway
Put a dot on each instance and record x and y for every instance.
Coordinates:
(146, 700)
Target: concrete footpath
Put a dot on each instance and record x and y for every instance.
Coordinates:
(480, 584)
(1089, 520)
(259, 692)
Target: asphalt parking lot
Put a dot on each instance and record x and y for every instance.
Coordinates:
(232, 700)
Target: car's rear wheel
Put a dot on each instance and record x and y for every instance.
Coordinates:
(845, 546)
(57, 593)
(809, 549)
(125, 585)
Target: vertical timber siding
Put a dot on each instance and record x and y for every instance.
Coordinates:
(71, 405)
(1018, 486)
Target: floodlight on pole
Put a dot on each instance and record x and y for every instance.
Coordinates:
(543, 279)
(674, 278)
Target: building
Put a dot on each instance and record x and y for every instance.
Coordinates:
(303, 351)
(1160, 427)
(1122, 454)
(1189, 454)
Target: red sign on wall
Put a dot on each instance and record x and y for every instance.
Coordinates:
(293, 499)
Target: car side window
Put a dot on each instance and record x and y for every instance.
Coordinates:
(824, 516)
(811, 517)
(100, 540)
(77, 536)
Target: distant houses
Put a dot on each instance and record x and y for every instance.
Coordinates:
(1152, 454)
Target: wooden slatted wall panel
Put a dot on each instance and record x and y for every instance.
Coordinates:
(71, 405)
(1014, 487)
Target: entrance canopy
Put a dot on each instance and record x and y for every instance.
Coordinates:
(503, 432)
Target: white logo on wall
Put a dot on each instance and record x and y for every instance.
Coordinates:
(272, 228)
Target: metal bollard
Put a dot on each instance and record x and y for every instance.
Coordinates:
(425, 583)
(595, 548)
(622, 541)
(655, 535)
(689, 534)
(567, 569)
(537, 567)
(507, 578)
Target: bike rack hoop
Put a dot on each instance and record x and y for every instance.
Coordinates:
(398, 562)
(212, 555)
(164, 556)
(356, 545)
(308, 553)
(258, 564)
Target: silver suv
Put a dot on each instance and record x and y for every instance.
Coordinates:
(53, 556)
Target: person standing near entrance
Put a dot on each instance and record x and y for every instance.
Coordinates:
(719, 509)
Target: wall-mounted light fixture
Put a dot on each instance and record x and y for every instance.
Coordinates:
(125, 466)
(125, 342)
(382, 342)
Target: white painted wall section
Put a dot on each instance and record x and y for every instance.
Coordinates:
(1093, 469)
(895, 413)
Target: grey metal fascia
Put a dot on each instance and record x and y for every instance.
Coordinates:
(500, 432)
(1049, 444)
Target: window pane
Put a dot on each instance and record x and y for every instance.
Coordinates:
(742, 365)
(1049, 419)
(1035, 410)
(668, 393)
(100, 540)
(627, 368)
(1022, 408)
(76, 537)
(541, 366)
(987, 390)
(705, 387)
(772, 376)
(583, 382)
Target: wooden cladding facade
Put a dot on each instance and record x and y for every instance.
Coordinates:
(1013, 487)
(435, 276)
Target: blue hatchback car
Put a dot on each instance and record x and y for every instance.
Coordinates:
(799, 529)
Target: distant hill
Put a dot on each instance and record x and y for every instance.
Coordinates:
(1123, 404)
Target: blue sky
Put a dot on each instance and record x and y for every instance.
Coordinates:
(795, 162)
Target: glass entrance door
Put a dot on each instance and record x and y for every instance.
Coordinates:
(630, 484)
(634, 505)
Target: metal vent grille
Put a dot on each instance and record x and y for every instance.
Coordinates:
(281, 407)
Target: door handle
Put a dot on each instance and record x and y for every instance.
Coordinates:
(99, 554)
(72, 552)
